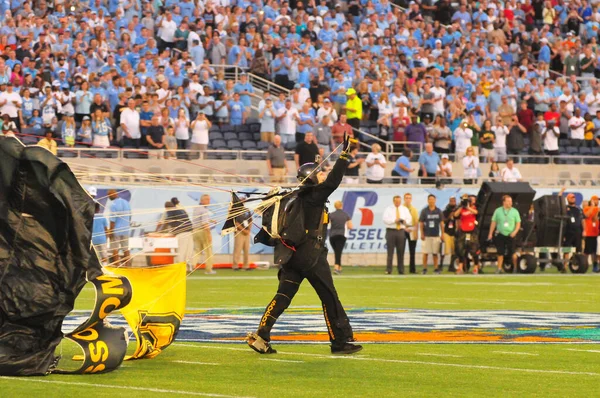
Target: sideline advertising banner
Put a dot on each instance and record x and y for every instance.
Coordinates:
(365, 205)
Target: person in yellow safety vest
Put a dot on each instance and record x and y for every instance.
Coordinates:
(354, 109)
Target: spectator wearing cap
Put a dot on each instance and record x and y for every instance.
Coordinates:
(327, 110)
(84, 133)
(444, 170)
(354, 109)
(68, 130)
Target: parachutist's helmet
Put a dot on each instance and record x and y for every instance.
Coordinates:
(307, 173)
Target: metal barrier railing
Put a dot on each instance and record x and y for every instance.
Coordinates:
(255, 178)
(247, 154)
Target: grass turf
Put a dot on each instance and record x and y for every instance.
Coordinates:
(380, 369)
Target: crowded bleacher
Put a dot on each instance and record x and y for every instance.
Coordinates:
(496, 78)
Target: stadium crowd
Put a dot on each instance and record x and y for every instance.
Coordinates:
(499, 77)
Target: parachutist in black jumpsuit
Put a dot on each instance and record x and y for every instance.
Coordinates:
(309, 261)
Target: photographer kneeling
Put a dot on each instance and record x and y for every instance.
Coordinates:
(506, 221)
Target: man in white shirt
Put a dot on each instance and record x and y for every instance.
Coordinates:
(168, 27)
(10, 102)
(593, 100)
(439, 93)
(398, 222)
(327, 110)
(375, 165)
(510, 173)
(287, 118)
(550, 136)
(462, 139)
(501, 131)
(568, 98)
(577, 128)
(130, 124)
(398, 101)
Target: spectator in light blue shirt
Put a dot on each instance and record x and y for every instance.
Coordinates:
(244, 89)
(402, 167)
(428, 161)
(544, 55)
(120, 222)
(99, 231)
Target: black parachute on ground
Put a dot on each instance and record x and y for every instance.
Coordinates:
(45, 254)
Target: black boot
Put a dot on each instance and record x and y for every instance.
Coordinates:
(345, 349)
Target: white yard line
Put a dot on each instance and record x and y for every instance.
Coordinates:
(594, 351)
(280, 360)
(119, 387)
(443, 364)
(516, 353)
(197, 363)
(427, 354)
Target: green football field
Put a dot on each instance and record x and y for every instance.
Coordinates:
(384, 369)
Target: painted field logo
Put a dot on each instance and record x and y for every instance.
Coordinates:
(306, 325)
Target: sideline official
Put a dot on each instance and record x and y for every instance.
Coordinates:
(398, 221)
(506, 222)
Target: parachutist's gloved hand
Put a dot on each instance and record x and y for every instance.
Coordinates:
(346, 146)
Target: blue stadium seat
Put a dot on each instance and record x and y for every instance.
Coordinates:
(245, 136)
(226, 128)
(215, 135)
(262, 145)
(255, 127)
(211, 156)
(256, 136)
(596, 150)
(230, 136)
(219, 144)
(252, 120)
(290, 146)
(563, 142)
(228, 156)
(584, 150)
(234, 144)
(213, 128)
(572, 150)
(246, 144)
(243, 128)
(29, 140)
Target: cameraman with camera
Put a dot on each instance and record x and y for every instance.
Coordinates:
(449, 234)
(506, 221)
(466, 234)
